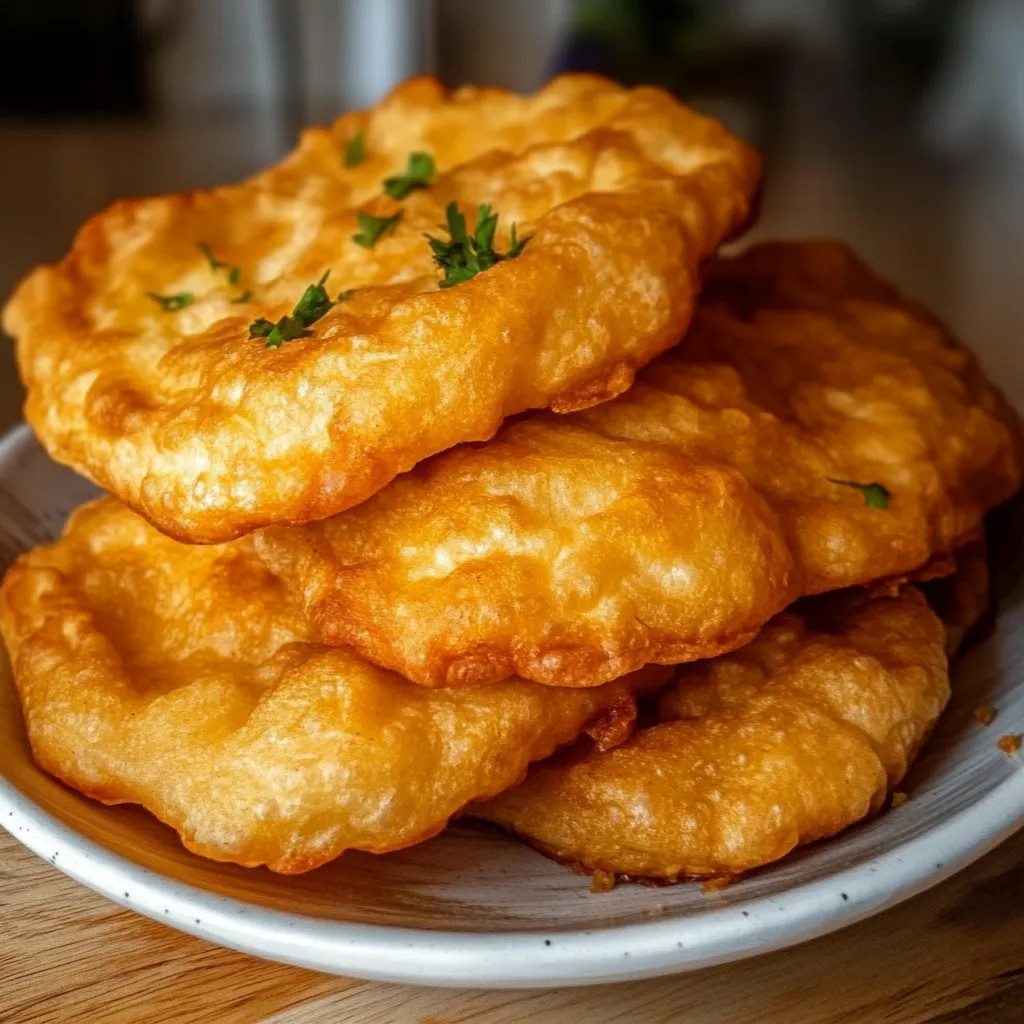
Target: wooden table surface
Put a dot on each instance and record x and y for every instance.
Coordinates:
(956, 953)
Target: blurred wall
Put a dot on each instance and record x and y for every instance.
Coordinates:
(319, 56)
(493, 43)
(323, 56)
(212, 53)
(316, 57)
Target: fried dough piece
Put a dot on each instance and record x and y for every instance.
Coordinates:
(788, 740)
(182, 678)
(803, 368)
(210, 435)
(570, 550)
(551, 553)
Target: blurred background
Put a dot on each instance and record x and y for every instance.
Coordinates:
(895, 124)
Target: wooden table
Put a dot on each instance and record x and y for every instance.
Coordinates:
(954, 954)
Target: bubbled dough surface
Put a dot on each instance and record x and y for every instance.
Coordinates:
(550, 552)
(182, 678)
(788, 740)
(210, 435)
(672, 522)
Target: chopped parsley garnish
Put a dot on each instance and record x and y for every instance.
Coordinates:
(234, 273)
(465, 256)
(355, 151)
(172, 303)
(313, 304)
(215, 264)
(418, 174)
(288, 328)
(876, 495)
(373, 228)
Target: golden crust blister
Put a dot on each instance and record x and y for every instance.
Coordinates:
(551, 552)
(802, 368)
(210, 435)
(789, 740)
(184, 679)
(669, 524)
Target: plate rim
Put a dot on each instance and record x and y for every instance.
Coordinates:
(526, 958)
(531, 958)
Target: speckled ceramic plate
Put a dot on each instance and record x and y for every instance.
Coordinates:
(474, 907)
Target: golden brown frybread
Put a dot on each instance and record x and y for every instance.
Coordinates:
(209, 434)
(551, 552)
(183, 678)
(790, 739)
(670, 523)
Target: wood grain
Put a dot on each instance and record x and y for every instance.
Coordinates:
(953, 954)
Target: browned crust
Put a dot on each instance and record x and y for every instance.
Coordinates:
(785, 742)
(182, 678)
(801, 367)
(210, 435)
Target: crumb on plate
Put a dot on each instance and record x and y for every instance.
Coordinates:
(984, 714)
(1009, 744)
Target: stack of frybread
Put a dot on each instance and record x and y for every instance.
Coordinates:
(333, 601)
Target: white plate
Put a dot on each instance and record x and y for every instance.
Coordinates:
(475, 908)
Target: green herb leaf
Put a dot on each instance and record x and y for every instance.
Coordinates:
(373, 228)
(234, 273)
(288, 328)
(355, 150)
(876, 495)
(260, 328)
(515, 245)
(314, 303)
(463, 257)
(419, 173)
(172, 303)
(215, 264)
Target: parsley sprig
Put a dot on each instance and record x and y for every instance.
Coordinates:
(876, 495)
(419, 173)
(315, 302)
(355, 150)
(374, 228)
(215, 264)
(465, 255)
(234, 273)
(172, 303)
